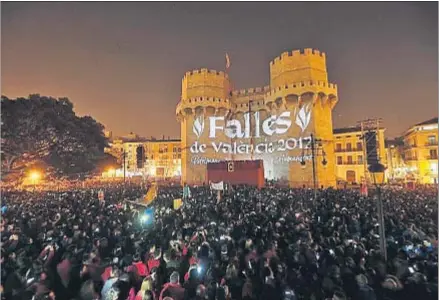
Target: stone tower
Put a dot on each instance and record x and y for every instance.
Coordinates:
(299, 82)
(204, 94)
(299, 90)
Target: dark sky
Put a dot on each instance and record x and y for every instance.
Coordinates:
(122, 63)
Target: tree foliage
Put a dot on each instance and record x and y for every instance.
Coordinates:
(45, 129)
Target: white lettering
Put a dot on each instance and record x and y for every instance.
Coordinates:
(280, 145)
(217, 147)
(307, 141)
(259, 151)
(288, 159)
(198, 160)
(233, 129)
(213, 127)
(194, 148)
(257, 121)
(267, 124)
(283, 120)
(270, 148)
(242, 149)
(247, 125)
(227, 148)
(288, 143)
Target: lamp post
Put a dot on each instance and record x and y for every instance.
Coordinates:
(124, 164)
(375, 169)
(314, 167)
(250, 103)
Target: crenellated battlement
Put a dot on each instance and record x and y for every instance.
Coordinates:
(205, 99)
(196, 102)
(300, 88)
(205, 71)
(205, 83)
(297, 66)
(251, 91)
(299, 54)
(305, 85)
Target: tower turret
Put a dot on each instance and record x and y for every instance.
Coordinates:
(299, 84)
(204, 94)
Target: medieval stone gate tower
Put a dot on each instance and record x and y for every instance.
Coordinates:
(299, 88)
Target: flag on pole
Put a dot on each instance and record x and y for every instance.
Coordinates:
(151, 194)
(227, 61)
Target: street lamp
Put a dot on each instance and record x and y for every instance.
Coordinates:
(378, 169)
(313, 155)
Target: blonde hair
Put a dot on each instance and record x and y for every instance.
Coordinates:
(146, 285)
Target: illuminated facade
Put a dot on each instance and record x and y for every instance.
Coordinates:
(273, 123)
(350, 154)
(421, 151)
(397, 170)
(115, 148)
(162, 157)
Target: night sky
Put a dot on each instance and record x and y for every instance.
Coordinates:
(122, 63)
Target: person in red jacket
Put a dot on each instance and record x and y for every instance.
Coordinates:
(153, 259)
(142, 269)
(173, 289)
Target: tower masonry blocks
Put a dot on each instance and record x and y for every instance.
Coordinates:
(298, 83)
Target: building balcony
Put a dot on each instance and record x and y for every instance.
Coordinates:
(434, 157)
(410, 146)
(349, 150)
(411, 158)
(347, 163)
(431, 144)
(353, 163)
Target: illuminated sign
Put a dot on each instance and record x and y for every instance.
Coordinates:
(266, 147)
(233, 129)
(273, 125)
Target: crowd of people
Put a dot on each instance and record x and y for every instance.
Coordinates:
(274, 243)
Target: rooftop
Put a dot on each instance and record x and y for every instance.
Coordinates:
(348, 130)
(147, 140)
(428, 122)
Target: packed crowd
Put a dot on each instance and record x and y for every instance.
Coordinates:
(250, 244)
